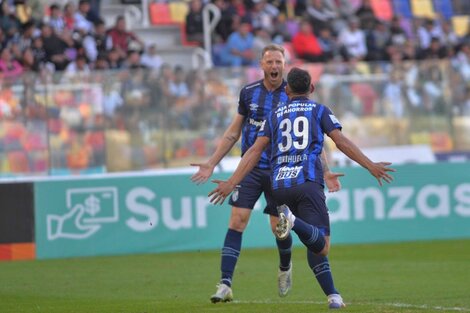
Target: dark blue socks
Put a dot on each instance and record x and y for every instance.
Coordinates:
(284, 247)
(321, 268)
(310, 235)
(230, 253)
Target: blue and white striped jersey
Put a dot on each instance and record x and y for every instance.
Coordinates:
(255, 103)
(296, 132)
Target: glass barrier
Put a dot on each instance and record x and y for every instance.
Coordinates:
(140, 119)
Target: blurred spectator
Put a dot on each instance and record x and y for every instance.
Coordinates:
(328, 44)
(178, 86)
(69, 15)
(261, 15)
(81, 16)
(27, 34)
(284, 28)
(3, 39)
(112, 100)
(85, 7)
(102, 40)
(114, 59)
(319, 15)
(352, 41)
(38, 50)
(150, 57)
(194, 24)
(433, 91)
(376, 41)
(8, 19)
(305, 44)
(365, 14)
(448, 37)
(397, 34)
(56, 21)
(29, 62)
(122, 39)
(393, 96)
(133, 61)
(54, 48)
(180, 92)
(9, 67)
(261, 40)
(239, 47)
(77, 69)
(87, 41)
(343, 8)
(435, 50)
(426, 32)
(409, 50)
(228, 13)
(101, 62)
(95, 8)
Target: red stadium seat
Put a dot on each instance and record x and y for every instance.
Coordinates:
(160, 13)
(383, 9)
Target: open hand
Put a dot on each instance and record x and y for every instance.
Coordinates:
(224, 188)
(380, 171)
(332, 181)
(202, 175)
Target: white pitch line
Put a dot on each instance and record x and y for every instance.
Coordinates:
(397, 305)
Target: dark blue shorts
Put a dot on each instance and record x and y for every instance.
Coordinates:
(256, 182)
(306, 201)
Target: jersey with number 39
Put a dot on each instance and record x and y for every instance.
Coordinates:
(296, 131)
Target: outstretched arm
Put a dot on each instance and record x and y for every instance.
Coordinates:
(247, 163)
(378, 170)
(230, 137)
(331, 179)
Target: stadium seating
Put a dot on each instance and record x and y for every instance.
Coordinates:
(402, 8)
(178, 11)
(159, 13)
(382, 9)
(444, 7)
(423, 8)
(460, 24)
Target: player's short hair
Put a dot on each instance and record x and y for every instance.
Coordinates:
(299, 80)
(272, 47)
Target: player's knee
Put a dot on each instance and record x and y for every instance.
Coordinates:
(238, 222)
(326, 249)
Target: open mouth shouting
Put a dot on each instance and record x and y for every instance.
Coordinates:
(274, 75)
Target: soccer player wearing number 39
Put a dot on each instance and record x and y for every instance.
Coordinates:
(294, 132)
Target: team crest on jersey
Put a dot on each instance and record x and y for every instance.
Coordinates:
(287, 172)
(235, 195)
(254, 106)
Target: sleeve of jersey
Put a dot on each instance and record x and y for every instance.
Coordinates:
(242, 109)
(328, 121)
(265, 129)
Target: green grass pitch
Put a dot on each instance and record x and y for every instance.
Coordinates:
(403, 277)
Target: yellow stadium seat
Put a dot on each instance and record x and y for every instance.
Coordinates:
(460, 24)
(178, 11)
(423, 8)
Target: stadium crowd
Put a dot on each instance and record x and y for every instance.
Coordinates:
(73, 37)
(61, 120)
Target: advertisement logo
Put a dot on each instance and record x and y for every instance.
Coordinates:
(86, 210)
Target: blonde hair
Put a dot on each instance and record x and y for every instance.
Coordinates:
(272, 47)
